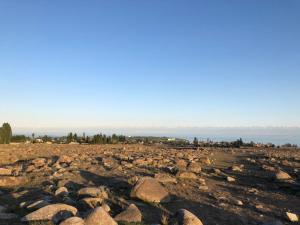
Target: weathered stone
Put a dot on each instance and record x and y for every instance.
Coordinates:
(105, 207)
(93, 192)
(91, 202)
(184, 217)
(282, 176)
(150, 190)
(73, 221)
(99, 217)
(131, 214)
(55, 212)
(292, 217)
(165, 178)
(230, 179)
(236, 168)
(61, 192)
(187, 175)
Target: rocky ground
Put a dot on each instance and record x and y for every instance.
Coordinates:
(137, 184)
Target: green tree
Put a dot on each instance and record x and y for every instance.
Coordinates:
(75, 137)
(7, 133)
(69, 137)
(2, 134)
(195, 141)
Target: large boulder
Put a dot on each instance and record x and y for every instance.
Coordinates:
(131, 214)
(99, 217)
(73, 221)
(184, 217)
(150, 190)
(54, 212)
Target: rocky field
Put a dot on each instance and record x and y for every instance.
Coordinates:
(137, 184)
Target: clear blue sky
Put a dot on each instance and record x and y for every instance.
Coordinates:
(150, 63)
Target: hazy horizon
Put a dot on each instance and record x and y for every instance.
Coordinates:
(276, 135)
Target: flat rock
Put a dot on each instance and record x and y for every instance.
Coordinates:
(54, 212)
(150, 190)
(99, 217)
(131, 214)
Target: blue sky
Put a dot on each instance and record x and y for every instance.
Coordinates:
(150, 63)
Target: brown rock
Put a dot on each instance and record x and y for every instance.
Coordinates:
(39, 162)
(186, 175)
(184, 217)
(292, 217)
(93, 192)
(131, 214)
(73, 221)
(64, 159)
(150, 190)
(99, 217)
(165, 178)
(62, 191)
(55, 213)
(91, 202)
(282, 176)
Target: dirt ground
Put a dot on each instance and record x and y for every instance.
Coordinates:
(253, 197)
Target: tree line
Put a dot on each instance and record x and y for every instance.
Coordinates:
(96, 139)
(5, 133)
